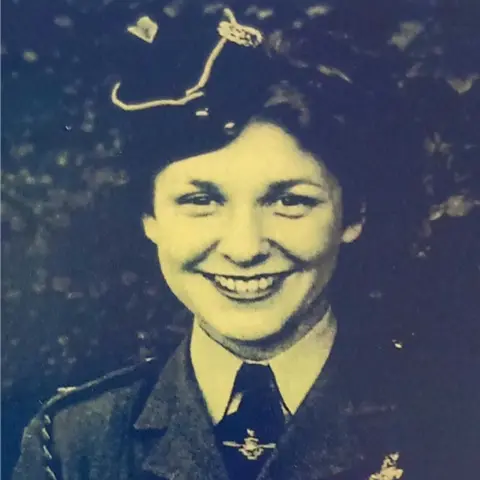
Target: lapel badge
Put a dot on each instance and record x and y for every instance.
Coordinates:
(251, 447)
(389, 470)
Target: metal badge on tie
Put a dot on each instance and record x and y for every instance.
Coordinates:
(251, 447)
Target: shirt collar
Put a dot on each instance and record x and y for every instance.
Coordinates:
(295, 369)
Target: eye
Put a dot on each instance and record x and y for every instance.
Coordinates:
(294, 206)
(199, 204)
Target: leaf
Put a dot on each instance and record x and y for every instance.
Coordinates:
(389, 470)
(318, 10)
(145, 29)
(458, 206)
(437, 145)
(436, 212)
(408, 32)
(463, 85)
(333, 72)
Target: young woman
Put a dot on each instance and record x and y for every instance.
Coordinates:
(268, 383)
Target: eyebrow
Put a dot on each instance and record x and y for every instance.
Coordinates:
(209, 187)
(282, 185)
(274, 188)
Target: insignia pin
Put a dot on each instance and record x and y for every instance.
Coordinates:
(251, 448)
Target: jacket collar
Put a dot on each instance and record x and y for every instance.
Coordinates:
(321, 441)
(181, 440)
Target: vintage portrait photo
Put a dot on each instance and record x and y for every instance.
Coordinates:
(240, 240)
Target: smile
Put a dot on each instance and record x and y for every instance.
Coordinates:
(247, 288)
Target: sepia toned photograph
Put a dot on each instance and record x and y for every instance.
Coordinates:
(240, 240)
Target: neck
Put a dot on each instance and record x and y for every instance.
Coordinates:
(265, 349)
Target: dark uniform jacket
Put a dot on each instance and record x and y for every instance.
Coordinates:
(150, 422)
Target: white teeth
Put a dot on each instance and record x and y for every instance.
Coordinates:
(242, 286)
(269, 281)
(223, 281)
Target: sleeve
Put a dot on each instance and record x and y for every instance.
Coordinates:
(37, 460)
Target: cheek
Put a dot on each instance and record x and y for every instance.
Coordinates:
(309, 238)
(181, 238)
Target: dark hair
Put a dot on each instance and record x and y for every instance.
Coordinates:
(325, 134)
(354, 122)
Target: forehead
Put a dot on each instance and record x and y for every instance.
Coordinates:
(263, 153)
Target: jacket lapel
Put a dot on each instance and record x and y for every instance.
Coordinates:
(332, 435)
(319, 441)
(174, 431)
(336, 433)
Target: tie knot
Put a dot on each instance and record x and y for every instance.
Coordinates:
(254, 377)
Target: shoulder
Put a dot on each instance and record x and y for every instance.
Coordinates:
(120, 383)
(99, 405)
(97, 409)
(79, 418)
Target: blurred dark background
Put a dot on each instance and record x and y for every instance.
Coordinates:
(81, 291)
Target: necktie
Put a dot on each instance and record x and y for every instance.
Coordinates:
(247, 437)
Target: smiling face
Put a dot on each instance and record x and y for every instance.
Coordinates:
(248, 235)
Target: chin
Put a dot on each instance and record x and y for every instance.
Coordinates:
(251, 336)
(249, 328)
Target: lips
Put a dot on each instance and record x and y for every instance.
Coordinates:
(251, 288)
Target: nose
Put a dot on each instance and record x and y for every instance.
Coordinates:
(242, 240)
